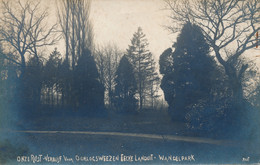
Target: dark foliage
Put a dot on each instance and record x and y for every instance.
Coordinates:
(166, 69)
(52, 87)
(89, 92)
(30, 85)
(65, 77)
(193, 84)
(9, 97)
(126, 88)
(188, 79)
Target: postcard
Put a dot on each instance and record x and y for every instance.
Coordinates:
(129, 82)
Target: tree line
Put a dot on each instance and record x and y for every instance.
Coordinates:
(86, 79)
(205, 79)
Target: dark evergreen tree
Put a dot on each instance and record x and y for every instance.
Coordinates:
(144, 67)
(166, 69)
(8, 91)
(126, 88)
(65, 79)
(32, 84)
(51, 81)
(188, 72)
(87, 89)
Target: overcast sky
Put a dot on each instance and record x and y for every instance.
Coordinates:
(115, 21)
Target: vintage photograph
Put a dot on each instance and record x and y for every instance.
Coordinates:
(129, 82)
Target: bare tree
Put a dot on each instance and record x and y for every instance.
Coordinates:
(76, 27)
(107, 59)
(23, 27)
(227, 25)
(77, 32)
(64, 15)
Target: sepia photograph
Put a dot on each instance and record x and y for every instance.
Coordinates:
(129, 82)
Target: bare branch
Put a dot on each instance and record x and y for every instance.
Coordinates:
(22, 26)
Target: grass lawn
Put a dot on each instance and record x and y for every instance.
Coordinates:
(146, 122)
(155, 122)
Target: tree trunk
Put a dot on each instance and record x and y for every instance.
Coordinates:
(23, 65)
(141, 99)
(235, 81)
(73, 42)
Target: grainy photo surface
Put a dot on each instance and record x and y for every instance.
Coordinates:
(129, 82)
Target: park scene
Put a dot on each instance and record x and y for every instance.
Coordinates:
(129, 82)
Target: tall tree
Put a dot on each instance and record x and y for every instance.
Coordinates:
(77, 31)
(51, 80)
(144, 65)
(76, 28)
(89, 92)
(32, 83)
(166, 69)
(189, 78)
(107, 58)
(23, 28)
(153, 83)
(226, 24)
(126, 87)
(65, 77)
(9, 98)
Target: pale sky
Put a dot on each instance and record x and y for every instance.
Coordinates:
(115, 22)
